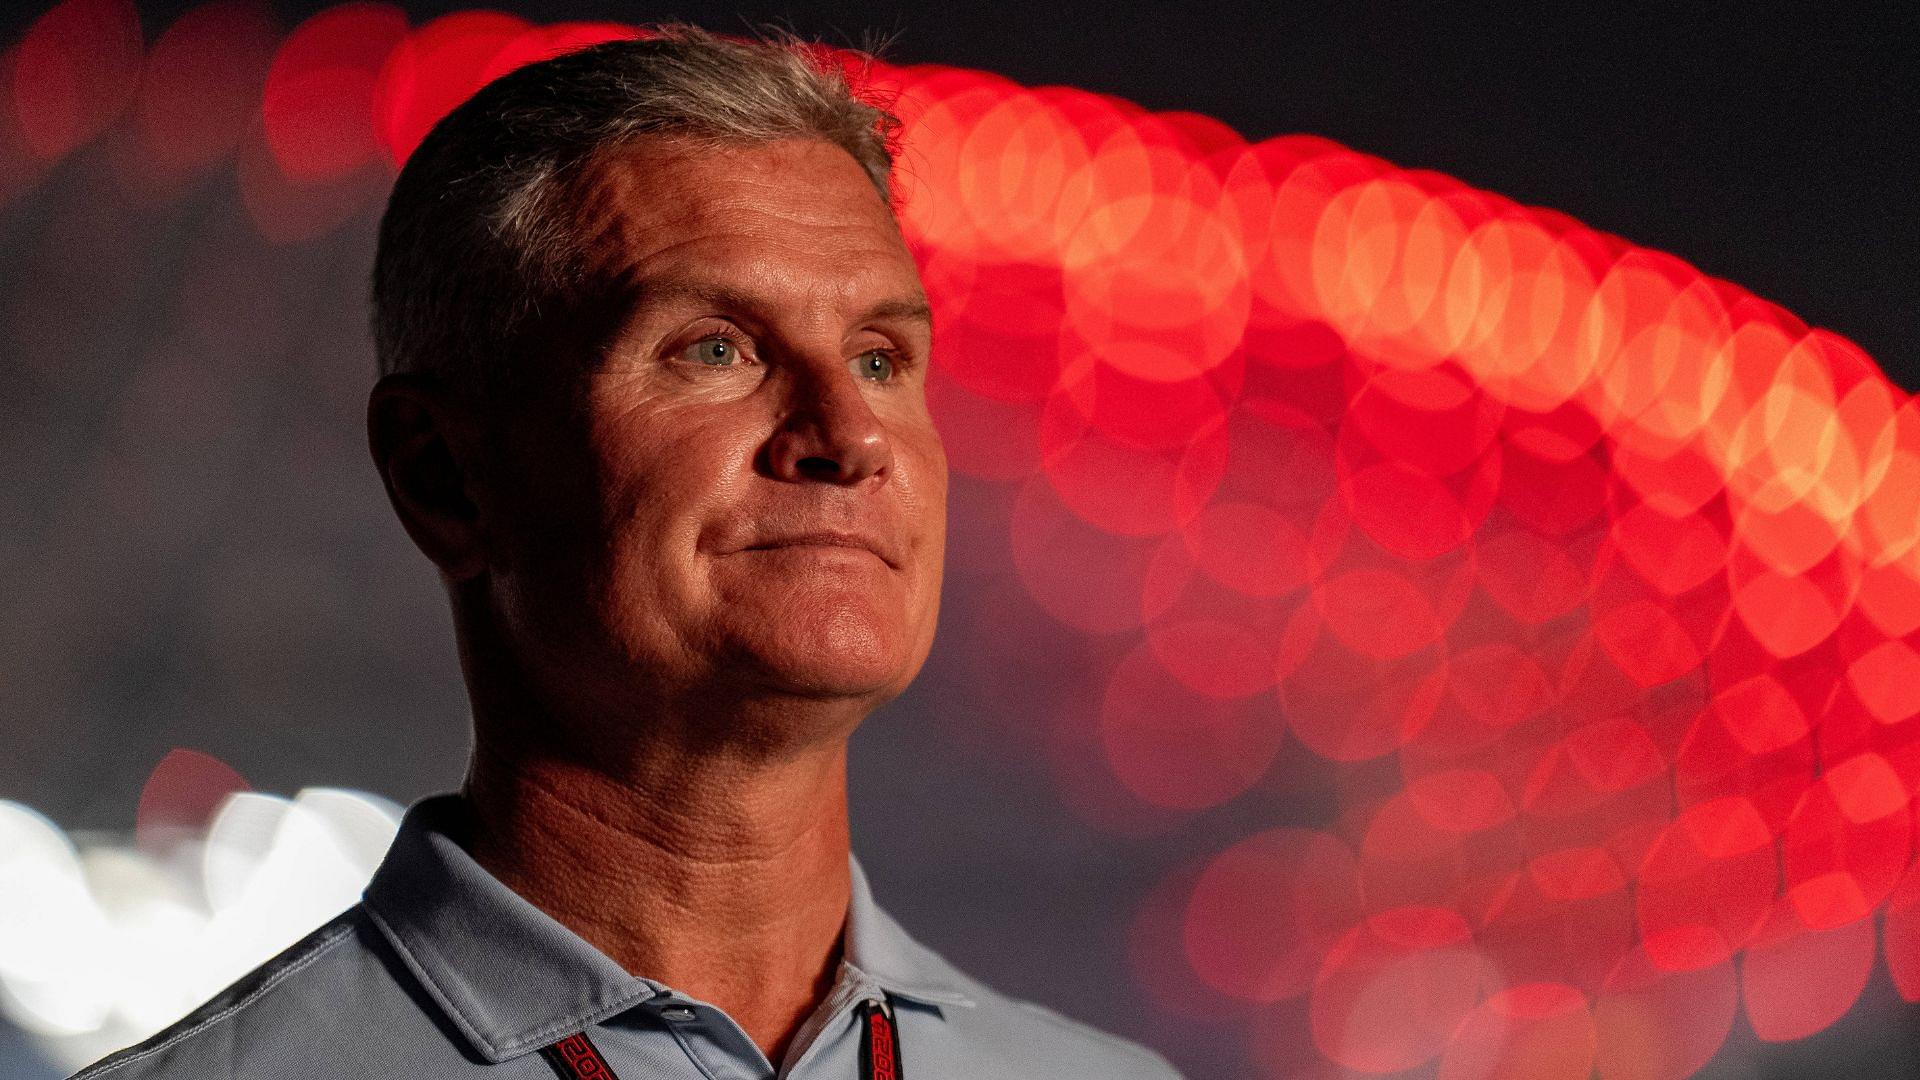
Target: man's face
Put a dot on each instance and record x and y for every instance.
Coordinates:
(743, 494)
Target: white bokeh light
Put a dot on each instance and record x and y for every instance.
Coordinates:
(103, 942)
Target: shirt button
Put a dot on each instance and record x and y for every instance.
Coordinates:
(677, 1012)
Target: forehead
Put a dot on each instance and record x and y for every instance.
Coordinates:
(796, 214)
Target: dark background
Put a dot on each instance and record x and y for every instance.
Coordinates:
(1775, 151)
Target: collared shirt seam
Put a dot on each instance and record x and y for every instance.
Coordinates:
(512, 1045)
(928, 995)
(840, 1001)
(408, 955)
(318, 950)
(520, 1043)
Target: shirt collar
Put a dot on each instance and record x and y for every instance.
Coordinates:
(512, 979)
(881, 948)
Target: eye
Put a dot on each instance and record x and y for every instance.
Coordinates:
(715, 350)
(879, 365)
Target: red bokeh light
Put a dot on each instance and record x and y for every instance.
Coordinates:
(1264, 911)
(1392, 991)
(1795, 982)
(1176, 748)
(181, 796)
(1657, 1024)
(438, 66)
(201, 89)
(74, 73)
(1706, 885)
(1537, 1031)
(318, 106)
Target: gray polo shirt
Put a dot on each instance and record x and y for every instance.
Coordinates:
(443, 973)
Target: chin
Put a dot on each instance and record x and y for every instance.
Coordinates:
(833, 650)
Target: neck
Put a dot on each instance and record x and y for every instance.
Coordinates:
(727, 880)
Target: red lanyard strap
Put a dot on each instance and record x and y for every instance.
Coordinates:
(880, 1047)
(576, 1058)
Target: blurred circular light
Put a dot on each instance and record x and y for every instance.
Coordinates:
(1657, 1024)
(318, 104)
(438, 66)
(1265, 910)
(201, 88)
(74, 72)
(1537, 1031)
(1394, 989)
(1176, 748)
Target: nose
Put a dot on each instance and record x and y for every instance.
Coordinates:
(830, 432)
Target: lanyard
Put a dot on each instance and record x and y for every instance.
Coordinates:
(576, 1058)
(880, 1042)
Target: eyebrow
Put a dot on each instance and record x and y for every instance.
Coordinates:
(710, 294)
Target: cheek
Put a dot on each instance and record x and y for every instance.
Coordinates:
(664, 475)
(658, 459)
(542, 506)
(924, 495)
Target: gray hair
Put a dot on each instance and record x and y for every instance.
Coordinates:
(477, 247)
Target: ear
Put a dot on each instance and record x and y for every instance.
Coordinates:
(425, 442)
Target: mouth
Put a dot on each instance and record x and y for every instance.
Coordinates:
(825, 540)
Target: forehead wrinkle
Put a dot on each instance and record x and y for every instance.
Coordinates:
(640, 195)
(653, 232)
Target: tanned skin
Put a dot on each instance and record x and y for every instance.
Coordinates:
(664, 658)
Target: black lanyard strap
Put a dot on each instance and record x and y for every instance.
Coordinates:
(880, 1046)
(576, 1058)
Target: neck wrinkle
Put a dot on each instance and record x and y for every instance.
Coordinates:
(728, 882)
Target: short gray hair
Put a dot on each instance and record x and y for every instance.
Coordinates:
(478, 244)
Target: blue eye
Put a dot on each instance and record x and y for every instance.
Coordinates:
(713, 352)
(877, 365)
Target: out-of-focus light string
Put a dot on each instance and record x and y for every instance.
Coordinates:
(103, 943)
(1592, 579)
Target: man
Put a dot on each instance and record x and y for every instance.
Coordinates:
(652, 402)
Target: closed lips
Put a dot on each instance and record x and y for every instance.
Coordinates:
(825, 539)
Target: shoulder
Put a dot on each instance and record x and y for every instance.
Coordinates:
(303, 1012)
(963, 1024)
(166, 1052)
(1120, 1058)
(1026, 1038)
